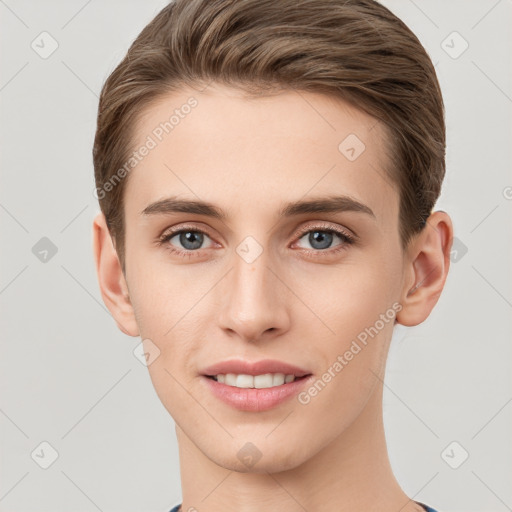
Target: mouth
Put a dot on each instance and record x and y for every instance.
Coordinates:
(254, 386)
(251, 398)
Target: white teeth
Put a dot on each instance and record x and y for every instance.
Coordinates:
(278, 379)
(263, 381)
(244, 381)
(267, 380)
(230, 379)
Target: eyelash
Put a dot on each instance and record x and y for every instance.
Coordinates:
(345, 237)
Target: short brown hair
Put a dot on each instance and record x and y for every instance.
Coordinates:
(356, 50)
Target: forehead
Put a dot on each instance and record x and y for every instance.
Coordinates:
(241, 152)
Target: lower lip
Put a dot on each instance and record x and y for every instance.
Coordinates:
(252, 399)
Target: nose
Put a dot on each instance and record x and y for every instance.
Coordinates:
(253, 303)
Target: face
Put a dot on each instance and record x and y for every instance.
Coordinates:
(265, 278)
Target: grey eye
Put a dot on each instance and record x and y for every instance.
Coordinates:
(320, 239)
(190, 240)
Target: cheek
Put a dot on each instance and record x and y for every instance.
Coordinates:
(350, 297)
(359, 309)
(155, 295)
(167, 303)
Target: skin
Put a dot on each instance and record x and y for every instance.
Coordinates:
(249, 157)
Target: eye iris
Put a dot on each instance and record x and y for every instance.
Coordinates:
(321, 236)
(191, 236)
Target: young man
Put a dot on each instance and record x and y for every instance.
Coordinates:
(266, 172)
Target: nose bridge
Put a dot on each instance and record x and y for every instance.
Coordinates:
(251, 304)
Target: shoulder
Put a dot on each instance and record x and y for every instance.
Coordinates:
(426, 507)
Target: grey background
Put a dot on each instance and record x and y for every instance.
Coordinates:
(69, 376)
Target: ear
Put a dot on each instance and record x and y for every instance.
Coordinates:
(111, 279)
(427, 261)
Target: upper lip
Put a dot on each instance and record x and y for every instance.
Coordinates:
(241, 367)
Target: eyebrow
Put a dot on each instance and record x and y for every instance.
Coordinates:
(331, 204)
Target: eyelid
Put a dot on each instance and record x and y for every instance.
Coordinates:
(322, 225)
(183, 227)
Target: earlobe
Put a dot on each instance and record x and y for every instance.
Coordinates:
(428, 264)
(112, 283)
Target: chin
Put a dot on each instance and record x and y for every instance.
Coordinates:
(259, 457)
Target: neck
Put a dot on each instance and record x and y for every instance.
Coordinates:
(351, 473)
